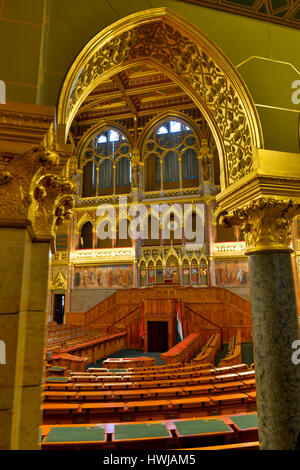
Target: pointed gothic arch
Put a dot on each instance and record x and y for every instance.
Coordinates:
(166, 41)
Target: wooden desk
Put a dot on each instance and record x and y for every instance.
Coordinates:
(126, 362)
(226, 386)
(73, 437)
(198, 389)
(211, 433)
(230, 403)
(142, 436)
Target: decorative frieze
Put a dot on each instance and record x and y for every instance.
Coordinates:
(118, 255)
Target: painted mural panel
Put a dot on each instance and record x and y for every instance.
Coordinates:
(232, 273)
(143, 277)
(159, 275)
(186, 275)
(203, 275)
(194, 275)
(151, 277)
(103, 276)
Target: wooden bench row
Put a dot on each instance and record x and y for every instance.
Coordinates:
(206, 375)
(58, 383)
(137, 410)
(154, 371)
(214, 433)
(91, 350)
(79, 395)
(234, 355)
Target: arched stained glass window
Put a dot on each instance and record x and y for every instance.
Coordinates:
(170, 151)
(105, 160)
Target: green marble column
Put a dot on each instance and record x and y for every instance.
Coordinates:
(274, 328)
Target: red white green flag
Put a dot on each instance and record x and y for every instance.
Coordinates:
(142, 332)
(179, 323)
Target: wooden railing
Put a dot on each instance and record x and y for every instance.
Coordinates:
(211, 310)
(112, 327)
(234, 355)
(183, 352)
(206, 320)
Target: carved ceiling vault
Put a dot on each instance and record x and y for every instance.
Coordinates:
(285, 12)
(132, 98)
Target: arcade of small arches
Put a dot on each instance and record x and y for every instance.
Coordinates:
(172, 153)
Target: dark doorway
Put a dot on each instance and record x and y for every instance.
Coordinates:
(158, 336)
(59, 308)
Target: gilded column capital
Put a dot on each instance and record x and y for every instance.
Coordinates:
(266, 224)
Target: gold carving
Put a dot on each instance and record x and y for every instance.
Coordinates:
(167, 46)
(266, 224)
(203, 71)
(30, 195)
(99, 256)
(51, 205)
(60, 282)
(5, 177)
(15, 195)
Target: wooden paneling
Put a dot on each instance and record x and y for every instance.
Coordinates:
(204, 310)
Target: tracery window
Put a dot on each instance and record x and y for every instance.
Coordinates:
(105, 161)
(170, 152)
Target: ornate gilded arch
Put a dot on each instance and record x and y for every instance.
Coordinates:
(86, 217)
(164, 40)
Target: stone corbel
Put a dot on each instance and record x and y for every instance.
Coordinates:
(16, 181)
(30, 195)
(51, 205)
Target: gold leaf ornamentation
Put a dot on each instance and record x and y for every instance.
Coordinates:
(266, 224)
(168, 47)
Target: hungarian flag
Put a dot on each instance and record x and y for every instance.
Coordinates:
(179, 323)
(142, 332)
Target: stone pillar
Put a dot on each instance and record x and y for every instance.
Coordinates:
(22, 322)
(274, 329)
(32, 203)
(266, 224)
(32, 321)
